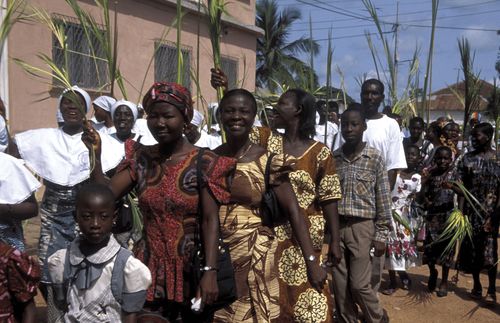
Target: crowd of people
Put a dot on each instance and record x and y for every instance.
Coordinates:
(352, 197)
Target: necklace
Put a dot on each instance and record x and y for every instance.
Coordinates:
(245, 152)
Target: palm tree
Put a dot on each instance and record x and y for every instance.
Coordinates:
(277, 61)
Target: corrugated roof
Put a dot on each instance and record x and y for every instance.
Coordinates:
(446, 100)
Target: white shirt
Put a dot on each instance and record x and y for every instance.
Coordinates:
(384, 135)
(332, 131)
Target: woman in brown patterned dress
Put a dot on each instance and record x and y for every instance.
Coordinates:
(317, 188)
(251, 244)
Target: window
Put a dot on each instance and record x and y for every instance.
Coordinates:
(166, 64)
(86, 61)
(230, 67)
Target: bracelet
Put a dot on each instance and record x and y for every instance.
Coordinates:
(208, 268)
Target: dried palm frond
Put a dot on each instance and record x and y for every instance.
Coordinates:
(329, 58)
(14, 12)
(215, 10)
(428, 70)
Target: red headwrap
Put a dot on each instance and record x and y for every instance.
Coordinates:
(172, 93)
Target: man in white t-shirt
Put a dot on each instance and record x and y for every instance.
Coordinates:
(4, 134)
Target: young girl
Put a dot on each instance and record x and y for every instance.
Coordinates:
(19, 277)
(401, 250)
(94, 279)
(439, 203)
(480, 173)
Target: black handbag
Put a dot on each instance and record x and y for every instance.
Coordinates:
(270, 212)
(225, 272)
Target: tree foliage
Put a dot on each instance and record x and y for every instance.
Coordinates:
(278, 59)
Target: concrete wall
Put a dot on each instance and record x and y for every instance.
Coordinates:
(32, 102)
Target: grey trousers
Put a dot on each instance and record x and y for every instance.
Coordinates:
(377, 269)
(352, 276)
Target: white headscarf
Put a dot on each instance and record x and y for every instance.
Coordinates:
(82, 92)
(197, 118)
(128, 104)
(105, 102)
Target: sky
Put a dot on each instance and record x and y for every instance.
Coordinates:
(477, 20)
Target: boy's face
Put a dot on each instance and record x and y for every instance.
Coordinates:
(412, 156)
(416, 130)
(353, 126)
(443, 159)
(95, 216)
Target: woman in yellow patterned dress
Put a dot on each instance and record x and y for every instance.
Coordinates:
(252, 245)
(317, 188)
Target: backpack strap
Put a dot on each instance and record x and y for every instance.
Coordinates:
(118, 273)
(267, 171)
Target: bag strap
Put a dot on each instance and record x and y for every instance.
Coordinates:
(267, 171)
(199, 182)
(118, 273)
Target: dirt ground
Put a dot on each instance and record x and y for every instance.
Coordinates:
(414, 306)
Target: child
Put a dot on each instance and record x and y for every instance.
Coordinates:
(365, 215)
(401, 250)
(94, 279)
(19, 277)
(439, 201)
(480, 173)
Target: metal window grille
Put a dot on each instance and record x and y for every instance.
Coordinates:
(230, 67)
(85, 60)
(166, 64)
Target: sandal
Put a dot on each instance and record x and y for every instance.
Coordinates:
(490, 299)
(406, 284)
(431, 284)
(389, 291)
(442, 292)
(476, 294)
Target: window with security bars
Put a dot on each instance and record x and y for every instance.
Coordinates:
(85, 58)
(230, 67)
(166, 64)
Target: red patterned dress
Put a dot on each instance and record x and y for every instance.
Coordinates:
(19, 277)
(168, 200)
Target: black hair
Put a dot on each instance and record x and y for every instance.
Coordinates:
(417, 120)
(411, 146)
(443, 148)
(485, 128)
(236, 92)
(307, 124)
(358, 108)
(434, 127)
(95, 189)
(375, 82)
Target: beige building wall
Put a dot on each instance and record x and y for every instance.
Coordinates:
(33, 102)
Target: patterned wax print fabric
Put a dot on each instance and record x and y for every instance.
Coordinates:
(168, 200)
(481, 176)
(252, 246)
(19, 277)
(440, 203)
(401, 249)
(314, 181)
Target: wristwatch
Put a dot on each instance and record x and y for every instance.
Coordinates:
(311, 258)
(208, 268)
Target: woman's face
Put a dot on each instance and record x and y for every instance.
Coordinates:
(123, 120)
(286, 108)
(165, 122)
(71, 109)
(237, 116)
(479, 139)
(451, 131)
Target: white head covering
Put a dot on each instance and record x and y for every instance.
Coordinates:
(128, 104)
(86, 97)
(197, 118)
(105, 102)
(59, 116)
